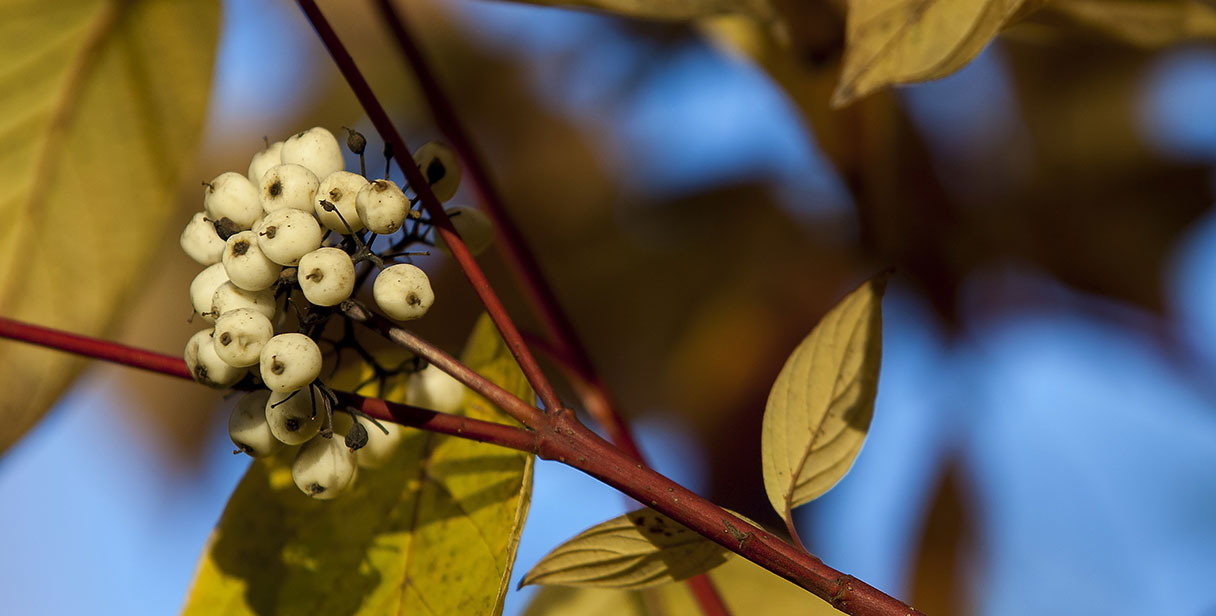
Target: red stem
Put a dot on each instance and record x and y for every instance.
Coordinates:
(439, 218)
(519, 257)
(170, 365)
(566, 440)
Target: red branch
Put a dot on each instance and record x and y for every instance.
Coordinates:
(565, 440)
(519, 257)
(443, 224)
(170, 365)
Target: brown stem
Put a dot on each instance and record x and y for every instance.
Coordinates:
(439, 218)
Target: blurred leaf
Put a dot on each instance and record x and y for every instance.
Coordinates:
(671, 9)
(640, 549)
(103, 106)
(914, 40)
(745, 587)
(819, 409)
(1146, 23)
(435, 531)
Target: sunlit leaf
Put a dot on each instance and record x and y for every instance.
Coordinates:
(671, 9)
(1147, 23)
(902, 41)
(745, 588)
(102, 108)
(433, 532)
(637, 550)
(819, 408)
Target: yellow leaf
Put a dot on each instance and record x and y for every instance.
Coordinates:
(103, 106)
(637, 550)
(1145, 23)
(433, 532)
(745, 588)
(819, 408)
(901, 41)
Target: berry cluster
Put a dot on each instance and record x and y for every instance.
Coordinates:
(282, 246)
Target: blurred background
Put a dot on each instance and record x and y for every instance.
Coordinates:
(1044, 440)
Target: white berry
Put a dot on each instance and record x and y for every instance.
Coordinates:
(403, 292)
(295, 416)
(381, 206)
(315, 149)
(247, 267)
(203, 287)
(324, 468)
(341, 189)
(286, 235)
(289, 362)
(200, 241)
(240, 335)
(473, 226)
(288, 185)
(263, 161)
(327, 276)
(205, 366)
(380, 447)
(228, 297)
(440, 168)
(435, 389)
(247, 426)
(231, 195)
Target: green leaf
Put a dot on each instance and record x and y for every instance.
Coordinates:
(1145, 23)
(103, 106)
(637, 550)
(819, 408)
(433, 532)
(902, 41)
(672, 10)
(745, 588)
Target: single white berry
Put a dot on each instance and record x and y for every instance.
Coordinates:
(228, 297)
(205, 366)
(380, 447)
(403, 292)
(263, 161)
(200, 241)
(288, 185)
(295, 416)
(240, 335)
(203, 287)
(341, 189)
(247, 426)
(473, 226)
(289, 362)
(382, 207)
(286, 235)
(327, 276)
(440, 167)
(231, 195)
(435, 389)
(324, 468)
(247, 267)
(316, 149)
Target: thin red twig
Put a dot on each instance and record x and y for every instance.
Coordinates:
(170, 365)
(460, 252)
(519, 257)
